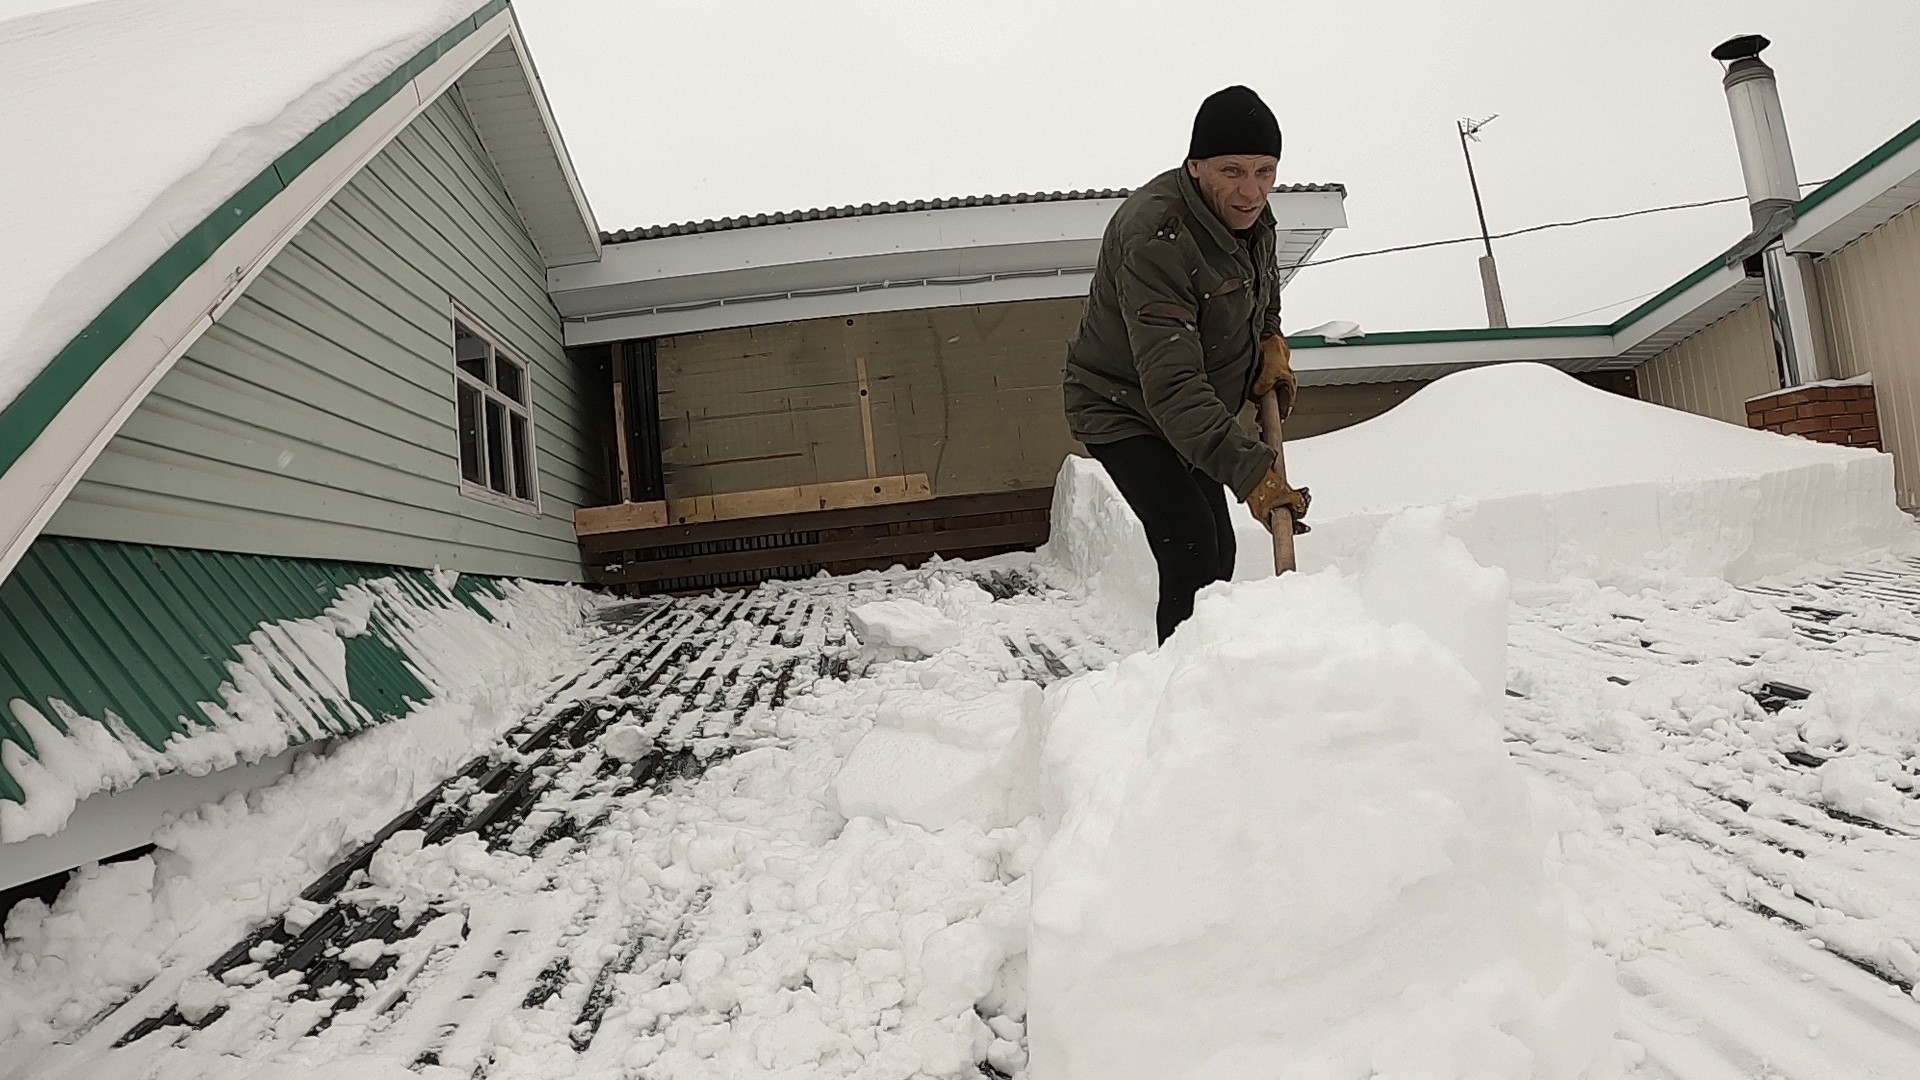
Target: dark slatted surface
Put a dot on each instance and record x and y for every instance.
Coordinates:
(704, 676)
(722, 554)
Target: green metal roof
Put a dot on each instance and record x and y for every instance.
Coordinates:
(24, 418)
(146, 634)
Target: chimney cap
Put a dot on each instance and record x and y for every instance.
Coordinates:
(1740, 48)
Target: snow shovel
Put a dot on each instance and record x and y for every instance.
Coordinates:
(1282, 523)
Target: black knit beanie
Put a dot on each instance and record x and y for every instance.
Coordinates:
(1234, 121)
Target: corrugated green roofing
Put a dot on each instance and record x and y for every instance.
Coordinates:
(146, 634)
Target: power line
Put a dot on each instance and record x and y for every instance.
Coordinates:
(1535, 229)
(1602, 307)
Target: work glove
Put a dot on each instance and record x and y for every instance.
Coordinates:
(1273, 494)
(1276, 373)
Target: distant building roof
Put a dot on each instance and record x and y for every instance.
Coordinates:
(787, 217)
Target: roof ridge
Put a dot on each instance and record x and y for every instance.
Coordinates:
(823, 213)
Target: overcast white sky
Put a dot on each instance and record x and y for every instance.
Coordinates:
(686, 109)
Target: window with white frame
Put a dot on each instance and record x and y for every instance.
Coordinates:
(493, 396)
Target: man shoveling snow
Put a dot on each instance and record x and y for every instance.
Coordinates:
(1182, 329)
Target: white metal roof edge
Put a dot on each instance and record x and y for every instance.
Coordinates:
(1850, 213)
(799, 307)
(576, 194)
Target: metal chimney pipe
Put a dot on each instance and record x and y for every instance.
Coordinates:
(1773, 187)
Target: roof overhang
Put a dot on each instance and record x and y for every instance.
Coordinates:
(1876, 189)
(509, 107)
(810, 269)
(59, 424)
(1696, 302)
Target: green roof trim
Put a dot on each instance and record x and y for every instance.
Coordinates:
(1859, 169)
(1667, 295)
(27, 416)
(1430, 337)
(146, 633)
(1826, 191)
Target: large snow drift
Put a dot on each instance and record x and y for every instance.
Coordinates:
(1545, 476)
(129, 121)
(1542, 476)
(1291, 843)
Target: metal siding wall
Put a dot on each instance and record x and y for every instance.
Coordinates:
(316, 418)
(1715, 371)
(1870, 293)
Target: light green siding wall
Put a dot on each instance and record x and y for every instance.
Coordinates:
(316, 417)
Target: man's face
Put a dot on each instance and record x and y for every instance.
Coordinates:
(1235, 186)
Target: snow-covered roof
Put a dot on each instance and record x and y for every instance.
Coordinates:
(1871, 192)
(176, 146)
(785, 217)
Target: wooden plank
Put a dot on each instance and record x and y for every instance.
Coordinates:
(857, 345)
(947, 506)
(623, 517)
(622, 450)
(726, 506)
(875, 547)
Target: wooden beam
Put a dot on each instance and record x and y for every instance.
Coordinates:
(946, 506)
(858, 346)
(1021, 534)
(766, 502)
(622, 447)
(624, 517)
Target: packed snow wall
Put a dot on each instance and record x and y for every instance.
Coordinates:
(1291, 843)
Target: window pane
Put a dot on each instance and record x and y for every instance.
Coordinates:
(511, 378)
(469, 431)
(522, 458)
(470, 351)
(496, 447)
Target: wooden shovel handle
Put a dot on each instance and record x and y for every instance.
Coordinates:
(1282, 523)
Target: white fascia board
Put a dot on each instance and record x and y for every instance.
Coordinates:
(1706, 291)
(40, 480)
(801, 308)
(1305, 211)
(552, 128)
(829, 239)
(1358, 355)
(1850, 213)
(108, 823)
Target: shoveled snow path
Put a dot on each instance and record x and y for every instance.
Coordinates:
(697, 912)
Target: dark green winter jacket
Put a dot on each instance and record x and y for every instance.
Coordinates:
(1169, 344)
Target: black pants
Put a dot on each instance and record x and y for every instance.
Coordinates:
(1185, 514)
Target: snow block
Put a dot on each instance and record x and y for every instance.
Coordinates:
(904, 624)
(1304, 797)
(933, 760)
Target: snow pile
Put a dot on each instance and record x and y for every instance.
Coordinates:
(1547, 477)
(232, 864)
(1291, 843)
(144, 116)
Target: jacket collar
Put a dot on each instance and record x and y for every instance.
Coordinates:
(1198, 210)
